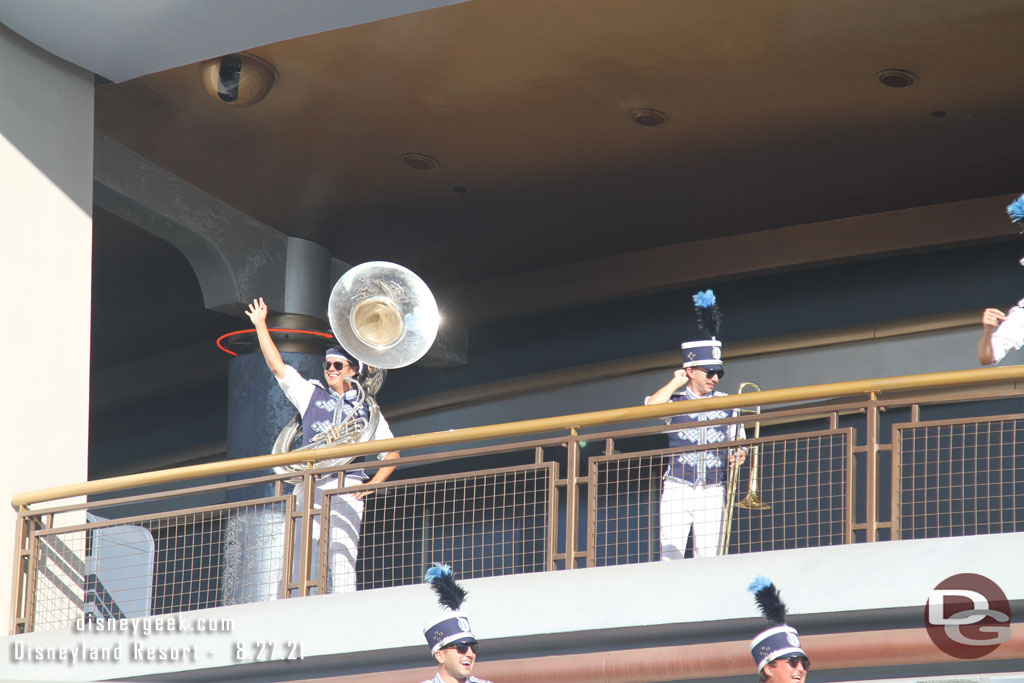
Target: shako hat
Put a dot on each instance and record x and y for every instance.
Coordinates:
(705, 353)
(452, 626)
(780, 640)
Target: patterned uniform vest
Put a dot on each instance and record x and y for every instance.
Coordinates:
(319, 417)
(700, 467)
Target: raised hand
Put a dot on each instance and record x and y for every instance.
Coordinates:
(257, 312)
(992, 317)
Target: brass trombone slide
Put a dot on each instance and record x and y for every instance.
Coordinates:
(752, 501)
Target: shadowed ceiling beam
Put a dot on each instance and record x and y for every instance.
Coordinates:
(813, 244)
(236, 258)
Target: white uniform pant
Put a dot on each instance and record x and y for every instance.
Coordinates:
(690, 505)
(343, 534)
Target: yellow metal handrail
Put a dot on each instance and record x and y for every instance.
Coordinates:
(548, 424)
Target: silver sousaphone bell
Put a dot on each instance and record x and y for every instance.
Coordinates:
(385, 316)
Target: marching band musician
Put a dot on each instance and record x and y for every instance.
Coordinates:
(1002, 332)
(316, 404)
(694, 482)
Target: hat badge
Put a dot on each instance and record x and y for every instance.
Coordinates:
(716, 353)
(691, 355)
(793, 640)
(464, 623)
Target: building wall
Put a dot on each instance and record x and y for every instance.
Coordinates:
(46, 137)
(828, 297)
(906, 355)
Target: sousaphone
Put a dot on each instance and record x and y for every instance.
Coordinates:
(385, 316)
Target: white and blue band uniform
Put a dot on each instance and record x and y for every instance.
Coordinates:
(324, 408)
(709, 467)
(317, 405)
(469, 679)
(694, 482)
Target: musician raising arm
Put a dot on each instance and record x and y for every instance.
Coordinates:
(1001, 332)
(317, 405)
(693, 488)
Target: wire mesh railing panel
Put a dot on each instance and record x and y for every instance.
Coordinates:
(164, 564)
(640, 515)
(960, 478)
(152, 556)
(487, 524)
(61, 579)
(803, 481)
(626, 499)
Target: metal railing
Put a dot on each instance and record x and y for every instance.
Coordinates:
(584, 490)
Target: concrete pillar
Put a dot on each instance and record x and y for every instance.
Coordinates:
(46, 135)
(257, 411)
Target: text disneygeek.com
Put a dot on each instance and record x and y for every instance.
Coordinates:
(147, 626)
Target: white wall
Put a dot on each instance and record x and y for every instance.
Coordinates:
(46, 137)
(854, 587)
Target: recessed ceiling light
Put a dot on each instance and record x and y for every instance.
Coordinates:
(896, 78)
(648, 118)
(420, 162)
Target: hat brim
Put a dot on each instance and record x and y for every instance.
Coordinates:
(462, 641)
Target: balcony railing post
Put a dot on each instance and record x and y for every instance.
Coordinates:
(572, 498)
(29, 554)
(323, 543)
(21, 558)
(306, 538)
(895, 478)
(289, 543)
(871, 455)
(591, 545)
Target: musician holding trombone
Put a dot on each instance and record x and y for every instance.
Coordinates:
(694, 482)
(317, 404)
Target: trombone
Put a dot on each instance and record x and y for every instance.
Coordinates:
(752, 501)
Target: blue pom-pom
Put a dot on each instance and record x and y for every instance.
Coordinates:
(437, 571)
(760, 583)
(1016, 211)
(705, 299)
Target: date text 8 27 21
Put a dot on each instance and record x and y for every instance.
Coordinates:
(267, 650)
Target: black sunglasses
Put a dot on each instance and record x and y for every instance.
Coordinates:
(338, 365)
(712, 373)
(797, 659)
(463, 648)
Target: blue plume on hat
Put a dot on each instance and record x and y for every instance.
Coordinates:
(768, 600)
(449, 593)
(709, 318)
(1016, 212)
